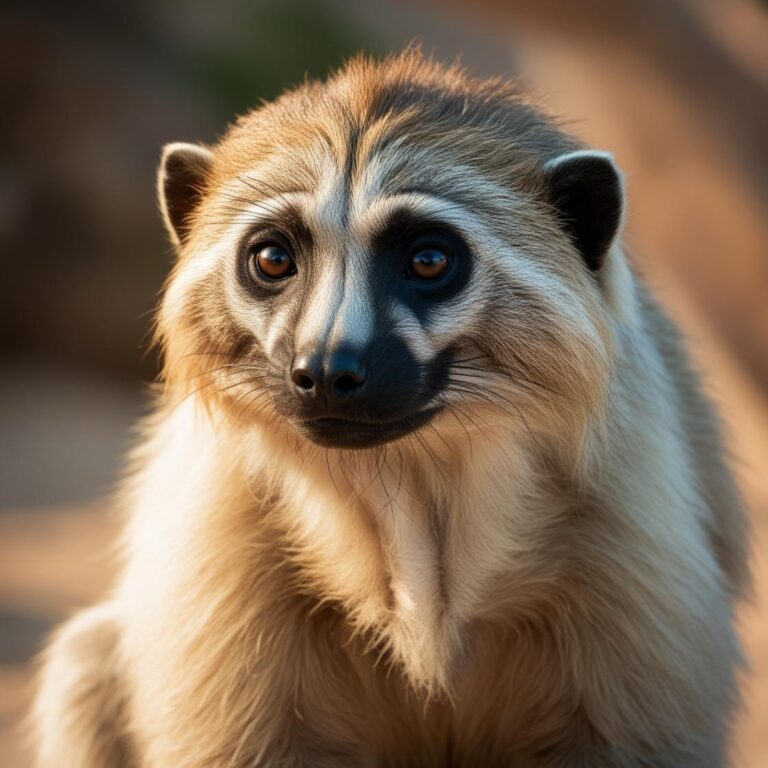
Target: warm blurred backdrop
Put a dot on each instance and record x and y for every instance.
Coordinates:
(676, 89)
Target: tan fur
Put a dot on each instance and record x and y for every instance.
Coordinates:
(543, 580)
(80, 707)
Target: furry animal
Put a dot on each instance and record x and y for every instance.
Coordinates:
(430, 481)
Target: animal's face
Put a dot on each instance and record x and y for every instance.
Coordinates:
(355, 309)
(366, 284)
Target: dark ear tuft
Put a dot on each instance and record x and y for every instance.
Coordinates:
(585, 188)
(182, 175)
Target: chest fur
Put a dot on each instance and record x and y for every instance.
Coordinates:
(416, 555)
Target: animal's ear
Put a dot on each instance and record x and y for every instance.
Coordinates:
(586, 190)
(181, 178)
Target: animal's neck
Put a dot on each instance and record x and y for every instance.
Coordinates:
(411, 539)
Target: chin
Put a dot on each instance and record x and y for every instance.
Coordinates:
(356, 434)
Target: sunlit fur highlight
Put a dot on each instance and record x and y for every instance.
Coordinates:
(544, 576)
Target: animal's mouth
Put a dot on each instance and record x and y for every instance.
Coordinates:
(331, 432)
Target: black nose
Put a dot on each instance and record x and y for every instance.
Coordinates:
(336, 377)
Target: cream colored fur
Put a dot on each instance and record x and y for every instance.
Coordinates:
(547, 586)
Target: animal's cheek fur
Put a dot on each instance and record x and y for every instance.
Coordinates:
(208, 341)
(548, 356)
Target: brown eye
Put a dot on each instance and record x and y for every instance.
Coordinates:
(428, 264)
(274, 262)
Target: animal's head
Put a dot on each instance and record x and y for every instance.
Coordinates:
(400, 251)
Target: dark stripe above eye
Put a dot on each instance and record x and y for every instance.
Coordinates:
(404, 225)
(291, 223)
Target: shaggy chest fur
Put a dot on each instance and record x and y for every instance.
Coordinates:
(390, 611)
(410, 546)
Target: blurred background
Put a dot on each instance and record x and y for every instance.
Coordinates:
(676, 89)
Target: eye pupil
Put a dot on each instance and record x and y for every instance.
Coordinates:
(274, 262)
(428, 263)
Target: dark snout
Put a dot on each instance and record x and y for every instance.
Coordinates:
(356, 397)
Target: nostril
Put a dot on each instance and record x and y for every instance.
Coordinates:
(348, 382)
(302, 379)
(304, 382)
